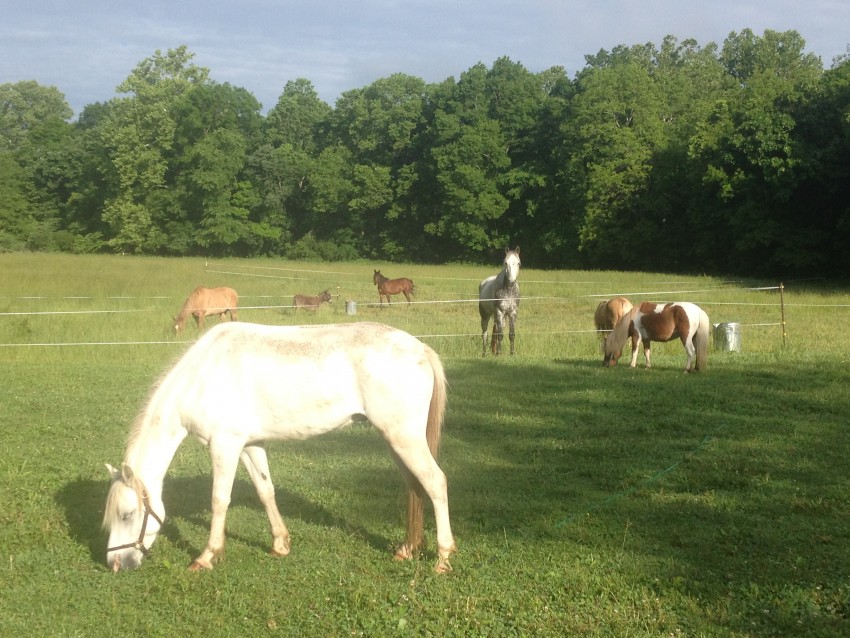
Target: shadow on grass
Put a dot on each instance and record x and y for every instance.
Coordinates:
(726, 483)
(188, 498)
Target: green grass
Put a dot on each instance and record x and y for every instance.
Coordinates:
(585, 501)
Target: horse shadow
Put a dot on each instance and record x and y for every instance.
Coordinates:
(187, 499)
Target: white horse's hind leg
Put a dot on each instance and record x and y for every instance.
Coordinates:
(257, 463)
(417, 459)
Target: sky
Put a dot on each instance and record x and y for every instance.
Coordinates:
(86, 48)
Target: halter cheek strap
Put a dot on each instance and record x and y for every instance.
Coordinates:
(140, 543)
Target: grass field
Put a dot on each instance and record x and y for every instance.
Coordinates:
(585, 501)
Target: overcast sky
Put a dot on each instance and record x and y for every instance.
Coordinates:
(87, 47)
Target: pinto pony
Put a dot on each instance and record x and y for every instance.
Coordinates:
(263, 383)
(498, 297)
(387, 287)
(311, 303)
(207, 301)
(650, 322)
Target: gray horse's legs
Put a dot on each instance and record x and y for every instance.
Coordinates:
(498, 332)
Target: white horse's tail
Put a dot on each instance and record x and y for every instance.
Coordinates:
(433, 433)
(701, 341)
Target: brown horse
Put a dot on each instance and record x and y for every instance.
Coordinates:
(311, 303)
(387, 287)
(608, 314)
(207, 301)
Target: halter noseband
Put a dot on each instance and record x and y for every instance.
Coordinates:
(140, 543)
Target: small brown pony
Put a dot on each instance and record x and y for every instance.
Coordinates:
(608, 314)
(387, 287)
(207, 301)
(311, 303)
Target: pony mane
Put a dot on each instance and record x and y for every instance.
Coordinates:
(620, 334)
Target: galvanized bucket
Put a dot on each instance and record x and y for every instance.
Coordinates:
(727, 337)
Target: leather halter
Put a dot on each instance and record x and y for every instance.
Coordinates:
(140, 543)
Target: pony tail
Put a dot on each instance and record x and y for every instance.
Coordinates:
(702, 342)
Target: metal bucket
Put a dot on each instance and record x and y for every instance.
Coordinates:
(351, 307)
(727, 337)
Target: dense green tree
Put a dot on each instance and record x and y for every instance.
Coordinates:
(381, 125)
(467, 154)
(33, 131)
(750, 152)
(615, 130)
(139, 136)
(218, 206)
(668, 157)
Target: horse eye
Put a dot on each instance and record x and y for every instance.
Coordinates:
(126, 516)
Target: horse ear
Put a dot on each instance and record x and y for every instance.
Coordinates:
(113, 473)
(127, 473)
(516, 250)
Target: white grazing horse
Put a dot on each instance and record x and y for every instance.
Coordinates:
(242, 384)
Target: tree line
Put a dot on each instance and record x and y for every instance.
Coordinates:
(673, 157)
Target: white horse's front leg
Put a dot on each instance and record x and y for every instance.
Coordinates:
(256, 461)
(224, 453)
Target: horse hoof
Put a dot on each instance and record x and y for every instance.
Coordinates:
(197, 566)
(405, 552)
(443, 566)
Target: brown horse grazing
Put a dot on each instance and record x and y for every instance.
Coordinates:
(661, 322)
(387, 287)
(207, 301)
(311, 303)
(608, 314)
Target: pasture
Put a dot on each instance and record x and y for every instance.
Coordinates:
(584, 500)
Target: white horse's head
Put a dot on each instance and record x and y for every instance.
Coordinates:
(512, 264)
(130, 517)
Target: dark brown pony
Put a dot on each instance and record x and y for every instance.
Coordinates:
(387, 287)
(311, 303)
(207, 301)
